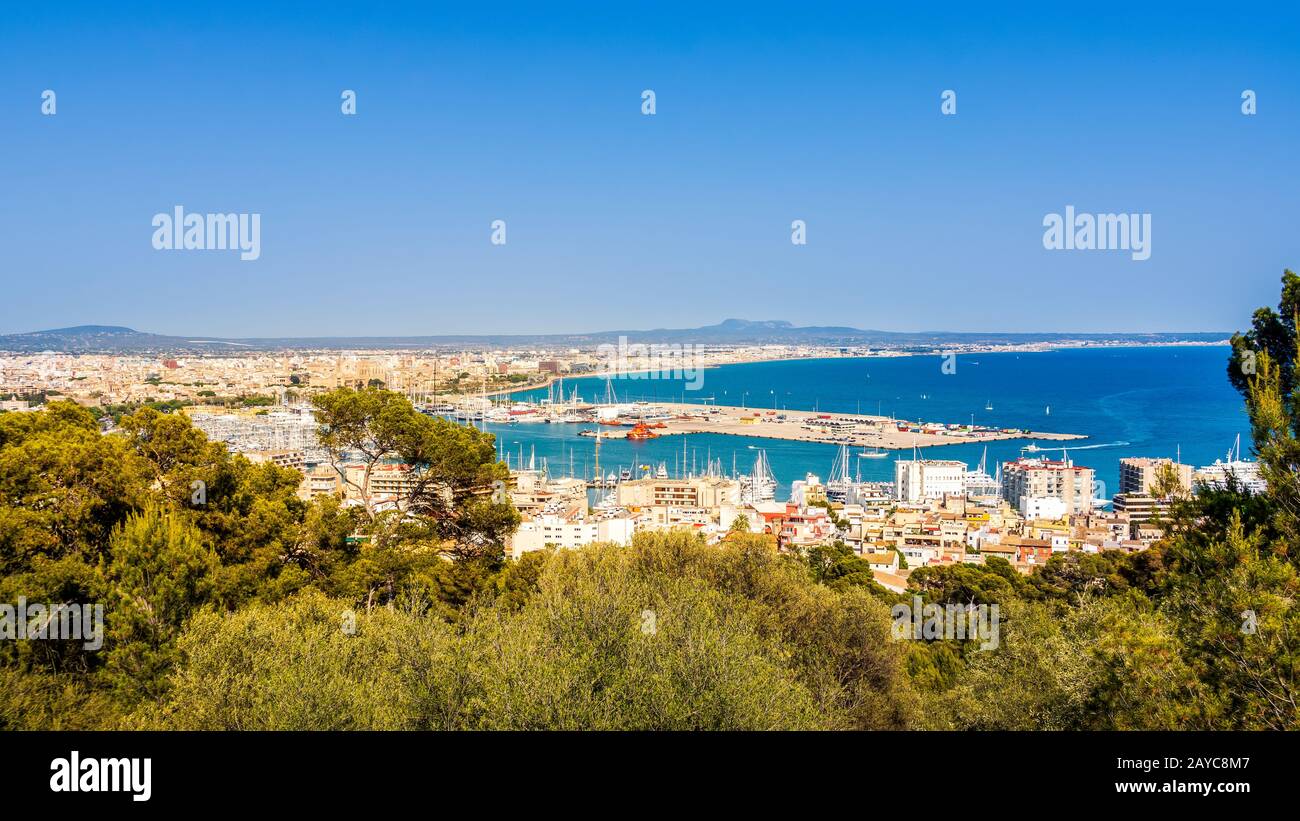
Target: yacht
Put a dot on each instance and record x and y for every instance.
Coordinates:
(759, 485)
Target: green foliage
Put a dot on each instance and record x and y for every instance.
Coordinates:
(38, 700)
(838, 567)
(1272, 333)
(159, 573)
(994, 582)
(291, 665)
(116, 519)
(116, 412)
(1108, 664)
(667, 634)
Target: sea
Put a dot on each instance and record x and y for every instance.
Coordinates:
(1172, 401)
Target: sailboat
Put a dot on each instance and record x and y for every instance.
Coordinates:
(839, 485)
(760, 485)
(988, 406)
(874, 453)
(978, 482)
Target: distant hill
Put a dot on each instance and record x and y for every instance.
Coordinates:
(118, 339)
(109, 339)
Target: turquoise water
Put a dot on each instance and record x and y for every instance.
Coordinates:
(1146, 401)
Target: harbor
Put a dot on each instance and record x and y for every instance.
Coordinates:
(1105, 403)
(610, 419)
(877, 433)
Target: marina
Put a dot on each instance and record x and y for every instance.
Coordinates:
(642, 420)
(1106, 403)
(877, 432)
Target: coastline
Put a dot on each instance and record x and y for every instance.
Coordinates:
(822, 355)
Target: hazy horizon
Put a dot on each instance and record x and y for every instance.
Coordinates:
(601, 331)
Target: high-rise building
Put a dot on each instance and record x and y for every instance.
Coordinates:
(1047, 488)
(1138, 475)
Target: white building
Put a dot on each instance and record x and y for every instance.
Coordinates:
(546, 531)
(916, 480)
(1042, 507)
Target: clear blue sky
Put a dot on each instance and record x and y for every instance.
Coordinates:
(379, 223)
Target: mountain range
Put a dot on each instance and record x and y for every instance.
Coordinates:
(118, 339)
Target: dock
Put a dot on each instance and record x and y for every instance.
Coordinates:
(855, 430)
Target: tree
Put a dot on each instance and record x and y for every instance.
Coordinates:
(1232, 558)
(1106, 664)
(63, 487)
(1167, 484)
(994, 582)
(160, 573)
(1272, 333)
(175, 450)
(369, 423)
(670, 633)
(838, 567)
(451, 470)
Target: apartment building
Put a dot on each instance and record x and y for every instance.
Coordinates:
(1047, 488)
(556, 531)
(1137, 475)
(917, 480)
(283, 458)
(707, 492)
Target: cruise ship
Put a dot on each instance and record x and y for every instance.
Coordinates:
(1244, 471)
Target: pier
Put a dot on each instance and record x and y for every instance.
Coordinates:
(855, 430)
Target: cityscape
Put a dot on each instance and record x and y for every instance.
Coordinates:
(933, 512)
(399, 400)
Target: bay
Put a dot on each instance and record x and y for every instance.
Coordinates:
(1128, 401)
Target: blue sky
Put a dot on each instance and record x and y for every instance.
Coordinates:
(380, 223)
